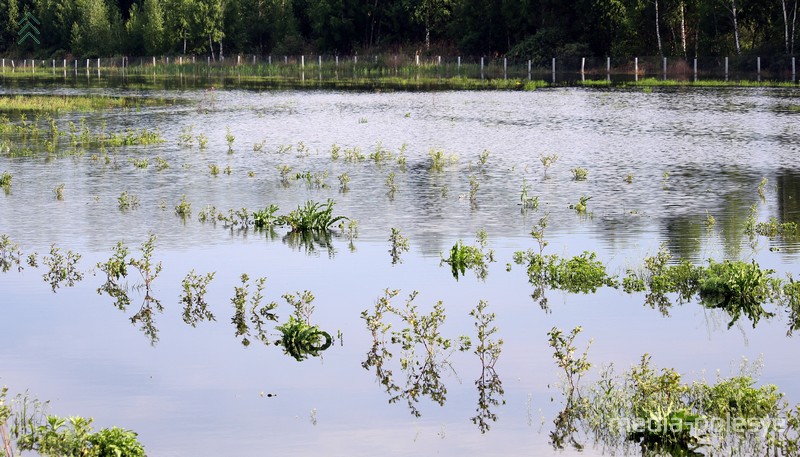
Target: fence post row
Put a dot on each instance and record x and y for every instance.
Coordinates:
(419, 61)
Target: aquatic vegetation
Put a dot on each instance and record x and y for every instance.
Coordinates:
(710, 220)
(350, 231)
(424, 350)
(391, 185)
(488, 351)
(127, 201)
(259, 146)
(474, 185)
(10, 254)
(116, 269)
(353, 154)
(161, 164)
(59, 192)
(580, 207)
(229, 138)
(761, 186)
(208, 214)
(483, 157)
(258, 313)
(202, 141)
(344, 181)
(464, 257)
(665, 180)
(214, 169)
(147, 269)
(335, 150)
(62, 269)
(564, 351)
(401, 157)
(399, 245)
(183, 208)
(186, 137)
(56, 103)
(195, 308)
(737, 287)
(313, 180)
(140, 163)
(579, 174)
(438, 160)
(771, 228)
(285, 174)
(312, 216)
(381, 154)
(301, 340)
(227, 170)
(527, 202)
(266, 217)
(5, 181)
(656, 411)
(548, 161)
(582, 273)
(628, 178)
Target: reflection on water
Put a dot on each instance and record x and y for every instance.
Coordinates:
(716, 146)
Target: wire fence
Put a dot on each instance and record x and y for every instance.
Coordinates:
(565, 69)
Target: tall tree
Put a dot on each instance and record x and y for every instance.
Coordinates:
(153, 30)
(431, 13)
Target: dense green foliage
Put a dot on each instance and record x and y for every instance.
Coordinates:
(536, 29)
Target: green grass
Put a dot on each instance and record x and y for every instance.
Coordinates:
(57, 103)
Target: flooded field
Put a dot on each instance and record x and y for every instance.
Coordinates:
(621, 173)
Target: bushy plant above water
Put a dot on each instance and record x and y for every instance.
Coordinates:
(465, 257)
(310, 217)
(656, 411)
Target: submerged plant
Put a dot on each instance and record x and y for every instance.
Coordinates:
(116, 269)
(229, 138)
(548, 161)
(344, 181)
(61, 268)
(301, 339)
(10, 254)
(195, 308)
(738, 287)
(483, 157)
(438, 159)
(258, 313)
(761, 186)
(399, 245)
(424, 350)
(629, 178)
(265, 218)
(580, 207)
(579, 173)
(463, 257)
(312, 216)
(5, 181)
(474, 185)
(488, 351)
(59, 192)
(526, 201)
(391, 186)
(381, 154)
(148, 270)
(127, 201)
(183, 208)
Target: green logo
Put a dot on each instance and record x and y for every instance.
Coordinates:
(29, 30)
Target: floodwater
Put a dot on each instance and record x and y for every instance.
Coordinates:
(198, 391)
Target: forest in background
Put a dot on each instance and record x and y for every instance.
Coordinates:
(522, 29)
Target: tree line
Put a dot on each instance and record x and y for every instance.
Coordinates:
(525, 29)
